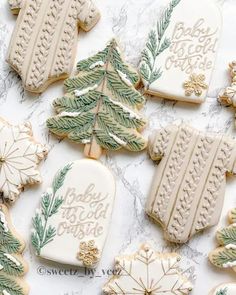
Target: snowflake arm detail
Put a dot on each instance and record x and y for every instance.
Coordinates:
(19, 158)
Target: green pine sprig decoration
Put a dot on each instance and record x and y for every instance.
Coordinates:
(101, 104)
(222, 291)
(157, 43)
(42, 233)
(12, 266)
(10, 286)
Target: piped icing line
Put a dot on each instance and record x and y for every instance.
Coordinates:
(124, 78)
(117, 139)
(4, 221)
(126, 109)
(84, 91)
(230, 247)
(97, 64)
(69, 114)
(229, 264)
(86, 141)
(13, 259)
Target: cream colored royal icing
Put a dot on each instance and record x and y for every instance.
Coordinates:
(43, 45)
(188, 187)
(181, 50)
(84, 193)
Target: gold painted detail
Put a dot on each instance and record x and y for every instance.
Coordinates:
(196, 84)
(88, 253)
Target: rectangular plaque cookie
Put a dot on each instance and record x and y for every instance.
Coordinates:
(181, 49)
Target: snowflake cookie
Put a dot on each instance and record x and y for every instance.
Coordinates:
(179, 57)
(101, 105)
(225, 255)
(148, 273)
(224, 289)
(19, 159)
(43, 44)
(12, 265)
(188, 187)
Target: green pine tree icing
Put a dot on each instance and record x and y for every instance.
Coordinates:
(42, 233)
(11, 264)
(225, 255)
(101, 104)
(157, 43)
(222, 292)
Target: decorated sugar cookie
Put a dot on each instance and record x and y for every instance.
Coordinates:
(20, 155)
(43, 44)
(71, 225)
(228, 95)
(149, 273)
(99, 110)
(188, 188)
(225, 255)
(12, 265)
(224, 289)
(180, 52)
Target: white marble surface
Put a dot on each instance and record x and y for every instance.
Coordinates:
(130, 21)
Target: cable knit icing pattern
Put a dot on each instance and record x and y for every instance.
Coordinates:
(188, 188)
(43, 44)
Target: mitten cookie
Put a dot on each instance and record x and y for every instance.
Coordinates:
(20, 155)
(180, 52)
(12, 265)
(43, 44)
(224, 289)
(72, 223)
(147, 272)
(188, 188)
(100, 108)
(225, 255)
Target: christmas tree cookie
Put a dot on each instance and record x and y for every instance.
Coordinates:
(225, 255)
(20, 155)
(12, 265)
(179, 57)
(224, 289)
(43, 44)
(149, 273)
(100, 108)
(101, 111)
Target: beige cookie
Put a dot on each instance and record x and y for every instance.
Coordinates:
(188, 188)
(12, 265)
(225, 255)
(20, 155)
(224, 289)
(43, 44)
(148, 272)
